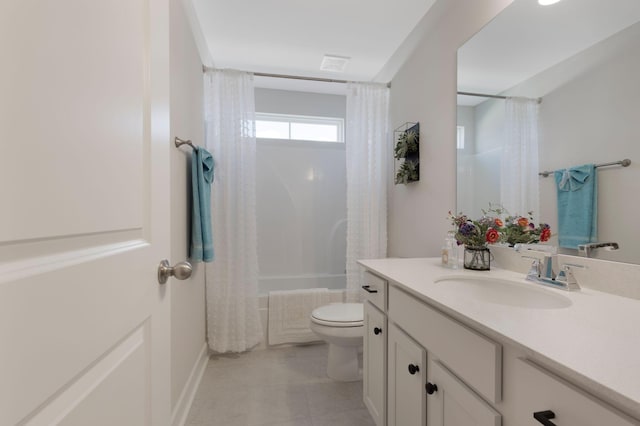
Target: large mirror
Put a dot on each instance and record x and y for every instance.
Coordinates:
(581, 60)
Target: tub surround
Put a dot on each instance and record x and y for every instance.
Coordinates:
(593, 343)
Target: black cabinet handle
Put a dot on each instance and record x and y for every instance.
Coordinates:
(544, 416)
(367, 288)
(413, 369)
(431, 388)
(377, 330)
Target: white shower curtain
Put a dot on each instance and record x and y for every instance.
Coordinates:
(519, 191)
(368, 153)
(233, 321)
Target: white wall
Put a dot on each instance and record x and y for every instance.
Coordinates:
(300, 103)
(187, 297)
(424, 90)
(300, 199)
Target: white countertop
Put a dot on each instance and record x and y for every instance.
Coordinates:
(594, 342)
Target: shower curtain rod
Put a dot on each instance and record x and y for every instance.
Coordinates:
(483, 95)
(292, 77)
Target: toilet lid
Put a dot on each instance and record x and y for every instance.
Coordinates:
(339, 314)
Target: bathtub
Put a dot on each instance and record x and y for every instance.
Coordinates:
(299, 282)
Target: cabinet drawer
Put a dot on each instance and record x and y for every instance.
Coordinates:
(473, 357)
(539, 390)
(375, 290)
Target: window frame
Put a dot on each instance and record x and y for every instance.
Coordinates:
(460, 137)
(303, 119)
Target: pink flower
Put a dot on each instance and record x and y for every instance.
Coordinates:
(492, 236)
(523, 221)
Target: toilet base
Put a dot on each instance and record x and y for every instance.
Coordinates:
(342, 364)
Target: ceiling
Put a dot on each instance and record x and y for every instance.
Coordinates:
(526, 39)
(292, 36)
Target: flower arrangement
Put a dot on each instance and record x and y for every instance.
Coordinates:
(476, 233)
(492, 228)
(522, 230)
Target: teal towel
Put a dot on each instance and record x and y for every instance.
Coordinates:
(577, 205)
(201, 179)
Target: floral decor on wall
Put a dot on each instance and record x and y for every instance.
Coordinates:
(407, 153)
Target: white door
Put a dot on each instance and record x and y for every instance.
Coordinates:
(84, 147)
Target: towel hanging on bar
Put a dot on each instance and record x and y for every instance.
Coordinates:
(202, 166)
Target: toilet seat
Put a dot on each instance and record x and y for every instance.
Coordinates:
(339, 315)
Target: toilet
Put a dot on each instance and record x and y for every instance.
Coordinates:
(341, 325)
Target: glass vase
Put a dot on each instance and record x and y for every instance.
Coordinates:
(477, 258)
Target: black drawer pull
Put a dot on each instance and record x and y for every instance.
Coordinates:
(431, 388)
(377, 331)
(413, 369)
(544, 416)
(367, 288)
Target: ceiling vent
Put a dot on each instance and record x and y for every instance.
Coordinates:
(334, 63)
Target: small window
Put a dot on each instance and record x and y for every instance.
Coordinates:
(299, 127)
(460, 137)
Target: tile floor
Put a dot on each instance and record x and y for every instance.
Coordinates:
(276, 387)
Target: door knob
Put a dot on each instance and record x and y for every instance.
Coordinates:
(413, 369)
(431, 388)
(377, 330)
(182, 271)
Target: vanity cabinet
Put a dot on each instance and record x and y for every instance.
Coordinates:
(374, 362)
(442, 372)
(471, 356)
(452, 403)
(407, 378)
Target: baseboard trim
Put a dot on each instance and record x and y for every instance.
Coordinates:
(181, 410)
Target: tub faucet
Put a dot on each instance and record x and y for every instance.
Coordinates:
(586, 249)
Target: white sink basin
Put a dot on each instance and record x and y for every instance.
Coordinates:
(503, 292)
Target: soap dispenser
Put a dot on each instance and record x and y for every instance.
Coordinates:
(450, 251)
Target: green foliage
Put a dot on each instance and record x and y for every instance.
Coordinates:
(408, 172)
(406, 144)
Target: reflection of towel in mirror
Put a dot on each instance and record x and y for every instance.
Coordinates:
(577, 205)
(201, 179)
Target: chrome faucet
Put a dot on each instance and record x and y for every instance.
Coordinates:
(586, 249)
(543, 269)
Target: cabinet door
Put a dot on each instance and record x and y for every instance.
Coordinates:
(452, 403)
(406, 377)
(542, 392)
(374, 362)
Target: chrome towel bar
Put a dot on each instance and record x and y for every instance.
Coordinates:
(179, 142)
(624, 163)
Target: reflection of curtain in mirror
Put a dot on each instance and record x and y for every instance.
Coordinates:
(519, 191)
